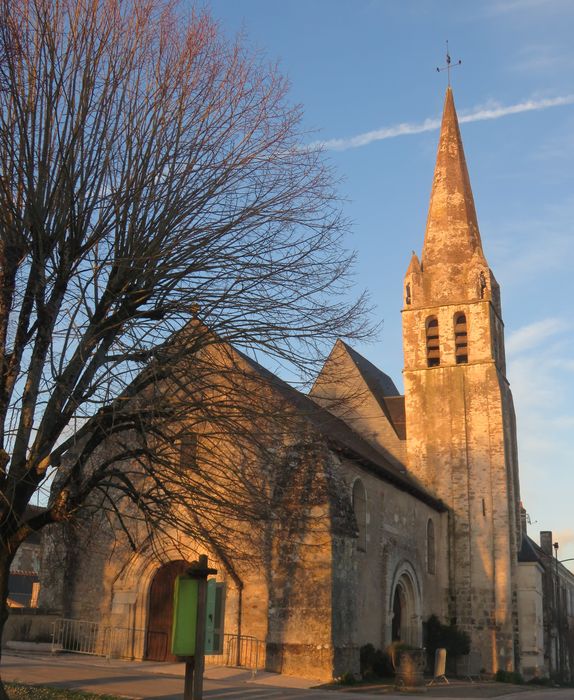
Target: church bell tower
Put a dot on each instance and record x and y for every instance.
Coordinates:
(461, 434)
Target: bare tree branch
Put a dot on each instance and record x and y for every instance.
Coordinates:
(151, 172)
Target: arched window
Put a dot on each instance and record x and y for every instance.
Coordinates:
(360, 510)
(460, 339)
(433, 351)
(431, 554)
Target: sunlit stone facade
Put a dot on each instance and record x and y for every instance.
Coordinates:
(415, 498)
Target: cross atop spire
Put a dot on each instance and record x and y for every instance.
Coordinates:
(448, 65)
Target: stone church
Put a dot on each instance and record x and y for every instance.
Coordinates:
(419, 501)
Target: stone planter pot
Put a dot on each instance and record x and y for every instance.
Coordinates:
(412, 664)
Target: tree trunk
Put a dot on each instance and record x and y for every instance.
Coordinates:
(5, 561)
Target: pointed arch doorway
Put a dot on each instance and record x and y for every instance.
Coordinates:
(405, 611)
(160, 611)
(399, 613)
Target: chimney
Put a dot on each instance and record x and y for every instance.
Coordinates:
(546, 541)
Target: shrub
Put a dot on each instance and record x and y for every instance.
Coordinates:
(375, 663)
(503, 676)
(540, 680)
(346, 679)
(455, 641)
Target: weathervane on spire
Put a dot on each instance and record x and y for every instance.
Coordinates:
(448, 64)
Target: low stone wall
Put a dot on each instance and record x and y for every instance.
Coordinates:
(28, 625)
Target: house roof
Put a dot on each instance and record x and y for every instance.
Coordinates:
(531, 551)
(528, 551)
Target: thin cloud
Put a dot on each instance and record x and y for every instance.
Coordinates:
(405, 129)
(501, 7)
(532, 335)
(565, 537)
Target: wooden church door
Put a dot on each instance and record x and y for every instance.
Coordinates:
(158, 638)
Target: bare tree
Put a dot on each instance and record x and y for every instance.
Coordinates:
(150, 171)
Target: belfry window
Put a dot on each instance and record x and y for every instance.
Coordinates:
(360, 510)
(460, 339)
(433, 349)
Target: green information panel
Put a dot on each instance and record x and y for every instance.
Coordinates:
(214, 617)
(210, 617)
(184, 616)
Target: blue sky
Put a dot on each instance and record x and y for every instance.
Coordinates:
(365, 71)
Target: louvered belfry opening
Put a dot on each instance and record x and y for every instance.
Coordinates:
(460, 339)
(433, 350)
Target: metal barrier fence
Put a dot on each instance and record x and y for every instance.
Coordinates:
(239, 650)
(85, 637)
(79, 636)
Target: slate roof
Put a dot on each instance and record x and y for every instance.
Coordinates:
(343, 439)
(528, 551)
(383, 389)
(379, 382)
(396, 408)
(531, 551)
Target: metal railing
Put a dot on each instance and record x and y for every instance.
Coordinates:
(93, 638)
(78, 636)
(85, 637)
(241, 651)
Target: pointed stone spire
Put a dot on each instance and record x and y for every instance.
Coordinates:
(412, 281)
(414, 265)
(452, 238)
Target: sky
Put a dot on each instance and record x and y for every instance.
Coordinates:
(365, 73)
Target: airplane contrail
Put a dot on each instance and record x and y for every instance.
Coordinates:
(405, 128)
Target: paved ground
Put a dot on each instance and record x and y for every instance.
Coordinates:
(165, 682)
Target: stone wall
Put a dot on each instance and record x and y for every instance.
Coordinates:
(25, 625)
(531, 620)
(396, 544)
(281, 594)
(462, 445)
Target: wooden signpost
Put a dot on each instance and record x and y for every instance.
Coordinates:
(189, 623)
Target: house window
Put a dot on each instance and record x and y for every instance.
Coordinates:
(460, 339)
(433, 351)
(187, 450)
(360, 511)
(431, 555)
